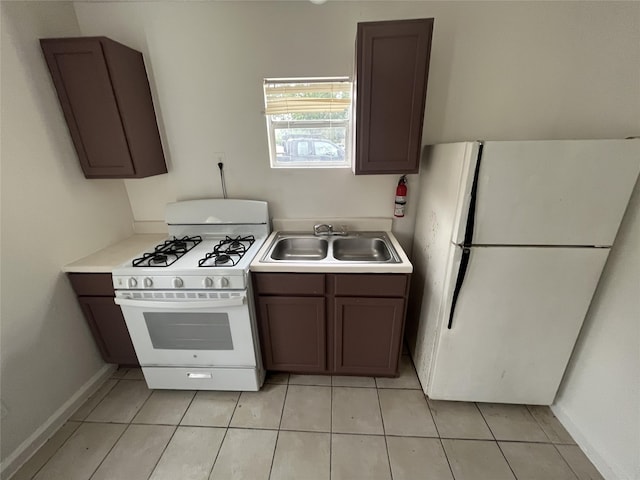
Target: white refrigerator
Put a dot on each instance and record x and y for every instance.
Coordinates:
(510, 242)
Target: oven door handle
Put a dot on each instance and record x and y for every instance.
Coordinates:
(184, 305)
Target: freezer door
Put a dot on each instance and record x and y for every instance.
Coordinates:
(564, 192)
(516, 319)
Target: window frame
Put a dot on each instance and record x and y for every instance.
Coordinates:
(347, 124)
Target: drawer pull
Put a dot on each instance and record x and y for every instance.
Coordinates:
(199, 375)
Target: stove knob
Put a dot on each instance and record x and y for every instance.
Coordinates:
(148, 282)
(132, 283)
(177, 282)
(224, 282)
(207, 282)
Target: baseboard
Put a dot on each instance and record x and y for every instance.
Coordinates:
(605, 469)
(26, 449)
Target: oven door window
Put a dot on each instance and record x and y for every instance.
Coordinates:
(189, 330)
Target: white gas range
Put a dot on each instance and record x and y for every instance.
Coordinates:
(188, 303)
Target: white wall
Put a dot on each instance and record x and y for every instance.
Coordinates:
(499, 70)
(599, 400)
(51, 215)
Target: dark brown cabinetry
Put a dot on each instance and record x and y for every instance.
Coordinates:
(349, 324)
(95, 295)
(392, 67)
(367, 335)
(301, 318)
(104, 92)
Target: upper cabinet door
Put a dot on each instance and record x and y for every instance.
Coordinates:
(392, 67)
(105, 97)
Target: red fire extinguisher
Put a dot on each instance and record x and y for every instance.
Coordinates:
(401, 197)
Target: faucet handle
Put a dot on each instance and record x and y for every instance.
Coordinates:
(322, 229)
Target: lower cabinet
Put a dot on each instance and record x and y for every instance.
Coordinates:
(367, 335)
(293, 333)
(95, 296)
(345, 324)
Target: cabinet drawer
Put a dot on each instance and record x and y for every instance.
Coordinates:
(370, 285)
(289, 283)
(93, 284)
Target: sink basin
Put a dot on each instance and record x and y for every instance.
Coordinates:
(361, 249)
(300, 248)
(358, 248)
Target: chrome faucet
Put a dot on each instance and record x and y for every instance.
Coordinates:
(325, 229)
(322, 229)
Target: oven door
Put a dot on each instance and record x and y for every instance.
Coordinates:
(190, 332)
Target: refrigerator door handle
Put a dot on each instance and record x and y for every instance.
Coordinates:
(464, 263)
(471, 218)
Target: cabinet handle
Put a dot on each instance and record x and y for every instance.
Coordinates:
(199, 375)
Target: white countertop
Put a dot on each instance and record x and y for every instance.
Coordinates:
(105, 260)
(319, 267)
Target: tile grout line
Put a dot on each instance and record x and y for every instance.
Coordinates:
(224, 436)
(538, 423)
(123, 432)
(297, 430)
(506, 460)
(552, 442)
(275, 447)
(565, 460)
(384, 432)
(560, 442)
(426, 399)
(495, 440)
(485, 422)
(446, 457)
(143, 403)
(172, 435)
(155, 465)
(110, 450)
(331, 428)
(35, 474)
(101, 400)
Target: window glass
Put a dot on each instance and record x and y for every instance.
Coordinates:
(308, 122)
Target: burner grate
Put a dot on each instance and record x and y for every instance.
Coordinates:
(227, 252)
(168, 252)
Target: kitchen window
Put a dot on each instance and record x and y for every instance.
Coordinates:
(308, 122)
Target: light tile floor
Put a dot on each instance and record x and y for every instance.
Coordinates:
(304, 427)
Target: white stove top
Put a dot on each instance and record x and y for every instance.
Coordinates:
(192, 270)
(187, 273)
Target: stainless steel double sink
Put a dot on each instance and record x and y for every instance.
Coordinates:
(357, 247)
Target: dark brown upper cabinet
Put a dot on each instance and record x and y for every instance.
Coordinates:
(392, 67)
(105, 97)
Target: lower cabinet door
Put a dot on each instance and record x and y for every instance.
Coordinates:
(293, 333)
(367, 335)
(109, 329)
